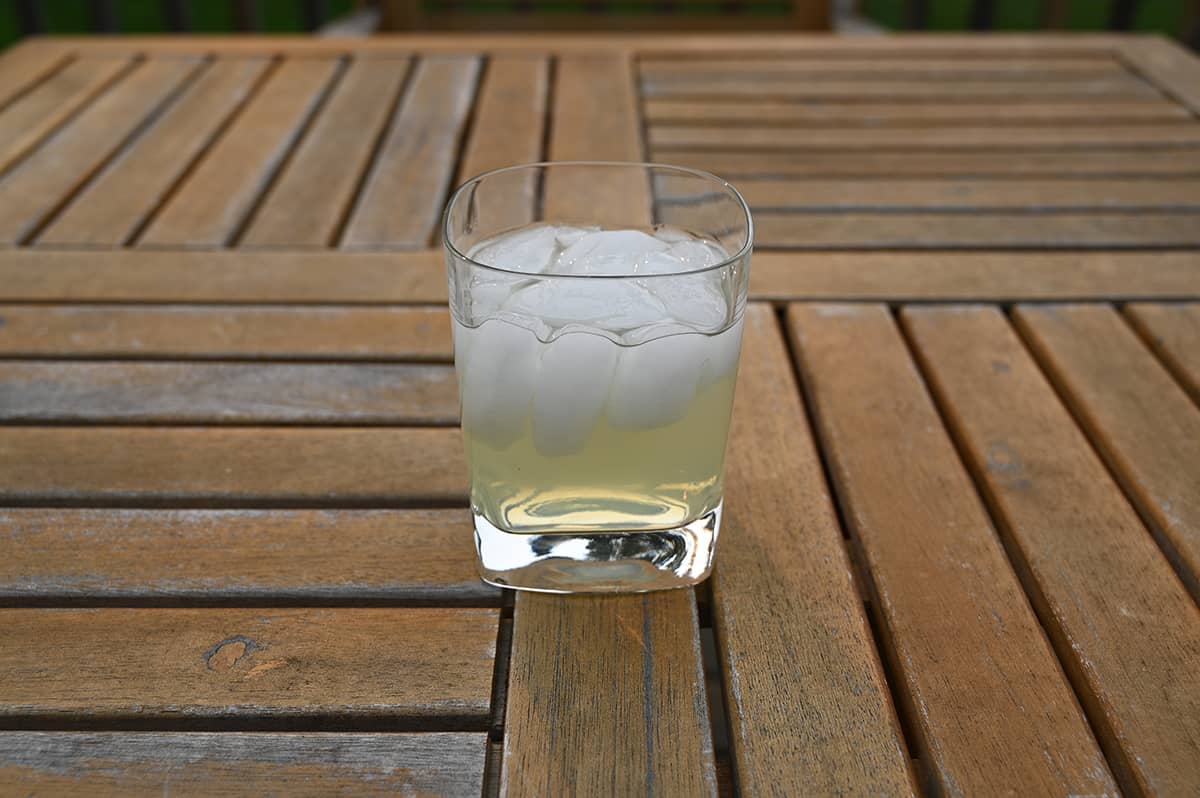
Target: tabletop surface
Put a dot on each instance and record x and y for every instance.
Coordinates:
(962, 538)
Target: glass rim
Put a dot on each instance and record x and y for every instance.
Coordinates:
(709, 176)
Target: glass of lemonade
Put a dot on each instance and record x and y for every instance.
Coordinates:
(597, 313)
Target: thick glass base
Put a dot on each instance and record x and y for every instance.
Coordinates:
(598, 562)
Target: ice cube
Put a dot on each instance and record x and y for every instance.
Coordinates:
(610, 305)
(569, 234)
(531, 249)
(498, 365)
(696, 253)
(671, 235)
(696, 300)
(607, 252)
(722, 354)
(572, 387)
(655, 382)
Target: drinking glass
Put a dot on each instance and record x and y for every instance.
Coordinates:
(597, 313)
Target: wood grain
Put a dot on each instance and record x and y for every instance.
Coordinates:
(28, 120)
(121, 392)
(307, 204)
(110, 210)
(25, 64)
(595, 118)
(959, 195)
(248, 556)
(918, 112)
(896, 137)
(883, 68)
(1140, 421)
(1173, 332)
(866, 230)
(1171, 68)
(606, 697)
(245, 667)
(32, 191)
(989, 706)
(231, 467)
(242, 276)
(790, 627)
(1003, 163)
(1000, 91)
(183, 331)
(402, 199)
(1124, 627)
(213, 202)
(509, 127)
(132, 765)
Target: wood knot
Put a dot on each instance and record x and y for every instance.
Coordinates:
(227, 653)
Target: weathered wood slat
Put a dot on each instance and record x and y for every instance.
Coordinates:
(31, 192)
(510, 117)
(869, 113)
(420, 277)
(122, 197)
(959, 195)
(122, 392)
(23, 65)
(606, 697)
(249, 667)
(1140, 421)
(989, 706)
(248, 276)
(307, 204)
(402, 199)
(231, 467)
(133, 765)
(1173, 332)
(260, 556)
(1107, 230)
(799, 88)
(212, 203)
(1124, 627)
(595, 118)
(1001, 163)
(894, 138)
(885, 68)
(183, 331)
(28, 120)
(790, 625)
(1167, 65)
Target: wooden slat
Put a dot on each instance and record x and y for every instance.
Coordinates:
(137, 765)
(595, 118)
(1020, 112)
(1141, 422)
(993, 229)
(231, 466)
(223, 276)
(1173, 332)
(810, 656)
(510, 117)
(1124, 627)
(224, 666)
(990, 708)
(24, 65)
(957, 195)
(402, 199)
(995, 276)
(606, 697)
(215, 333)
(1002, 163)
(733, 86)
(271, 556)
(226, 393)
(1167, 65)
(121, 198)
(885, 68)
(922, 138)
(207, 210)
(309, 201)
(28, 120)
(40, 183)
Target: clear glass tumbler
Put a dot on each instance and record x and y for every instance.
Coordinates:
(597, 324)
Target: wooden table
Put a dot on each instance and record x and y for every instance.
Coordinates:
(962, 542)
